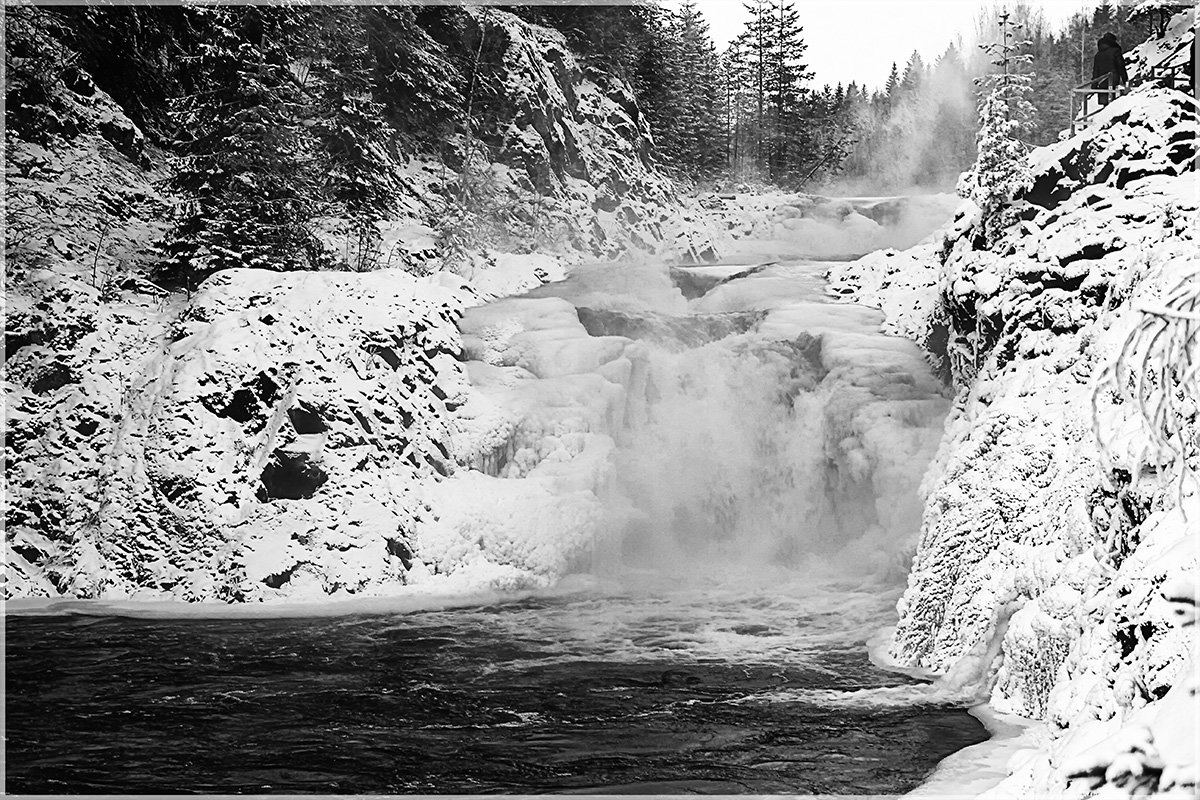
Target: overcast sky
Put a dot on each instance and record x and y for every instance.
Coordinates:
(857, 40)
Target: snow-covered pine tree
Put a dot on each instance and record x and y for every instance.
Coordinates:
(828, 136)
(793, 145)
(755, 45)
(245, 171)
(1000, 171)
(914, 74)
(771, 135)
(739, 108)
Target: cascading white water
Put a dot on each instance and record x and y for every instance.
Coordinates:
(768, 449)
(767, 427)
(714, 467)
(777, 449)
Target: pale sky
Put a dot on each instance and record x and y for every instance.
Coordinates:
(857, 40)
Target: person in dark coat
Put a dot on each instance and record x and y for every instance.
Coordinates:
(1108, 67)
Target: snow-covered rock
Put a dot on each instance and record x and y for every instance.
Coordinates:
(269, 442)
(1026, 512)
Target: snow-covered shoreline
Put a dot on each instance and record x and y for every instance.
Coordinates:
(1018, 537)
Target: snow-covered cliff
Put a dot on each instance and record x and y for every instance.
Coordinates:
(568, 171)
(1052, 518)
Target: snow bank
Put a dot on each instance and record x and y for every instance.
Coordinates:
(206, 446)
(296, 435)
(1170, 49)
(1024, 512)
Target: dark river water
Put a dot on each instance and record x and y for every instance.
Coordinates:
(698, 691)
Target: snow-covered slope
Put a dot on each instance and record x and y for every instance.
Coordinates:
(200, 445)
(1032, 529)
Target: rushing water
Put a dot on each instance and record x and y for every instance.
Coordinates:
(765, 498)
(667, 691)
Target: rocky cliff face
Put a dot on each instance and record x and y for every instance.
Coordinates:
(569, 167)
(1031, 323)
(1050, 520)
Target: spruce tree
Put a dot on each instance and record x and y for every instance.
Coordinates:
(740, 101)
(775, 127)
(914, 74)
(755, 44)
(694, 134)
(891, 89)
(1000, 171)
(245, 169)
(793, 132)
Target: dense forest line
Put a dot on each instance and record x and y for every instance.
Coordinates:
(273, 115)
(751, 114)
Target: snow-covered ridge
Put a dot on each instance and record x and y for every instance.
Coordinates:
(1029, 527)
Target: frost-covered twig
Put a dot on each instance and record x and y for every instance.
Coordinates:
(1157, 370)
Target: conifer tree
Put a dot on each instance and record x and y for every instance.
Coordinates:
(694, 138)
(772, 132)
(739, 107)
(914, 74)
(246, 161)
(891, 88)
(792, 127)
(755, 44)
(358, 171)
(951, 148)
(1000, 171)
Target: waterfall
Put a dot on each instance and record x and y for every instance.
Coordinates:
(794, 438)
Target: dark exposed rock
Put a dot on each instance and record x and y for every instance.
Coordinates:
(306, 420)
(53, 376)
(250, 402)
(400, 550)
(290, 476)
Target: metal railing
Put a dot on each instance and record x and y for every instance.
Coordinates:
(1088, 89)
(1164, 73)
